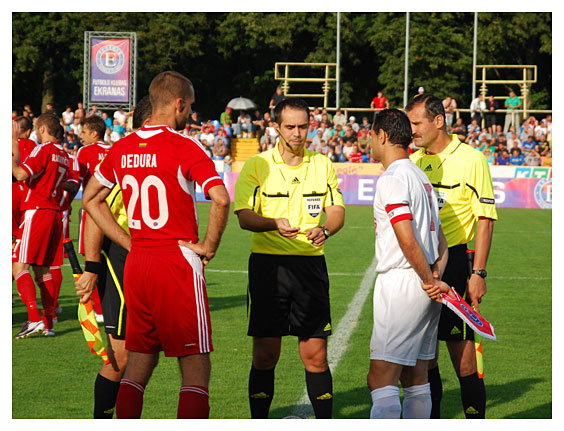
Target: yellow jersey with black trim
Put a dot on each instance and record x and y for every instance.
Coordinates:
(271, 188)
(461, 177)
(117, 207)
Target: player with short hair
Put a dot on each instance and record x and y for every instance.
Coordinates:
(280, 195)
(157, 169)
(39, 241)
(461, 178)
(107, 274)
(19, 190)
(410, 246)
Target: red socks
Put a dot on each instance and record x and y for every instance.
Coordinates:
(26, 290)
(193, 403)
(47, 289)
(57, 281)
(129, 402)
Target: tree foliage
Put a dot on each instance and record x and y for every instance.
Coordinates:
(233, 54)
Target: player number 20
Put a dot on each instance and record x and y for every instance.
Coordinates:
(150, 181)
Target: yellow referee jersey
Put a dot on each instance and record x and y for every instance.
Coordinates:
(463, 183)
(115, 202)
(269, 187)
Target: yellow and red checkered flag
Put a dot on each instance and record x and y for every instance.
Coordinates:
(90, 329)
(86, 311)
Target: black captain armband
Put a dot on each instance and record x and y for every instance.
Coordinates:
(93, 267)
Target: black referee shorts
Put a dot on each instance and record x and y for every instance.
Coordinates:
(452, 327)
(110, 288)
(288, 295)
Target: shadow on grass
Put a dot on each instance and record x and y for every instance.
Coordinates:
(221, 303)
(356, 403)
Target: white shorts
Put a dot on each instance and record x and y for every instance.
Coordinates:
(405, 319)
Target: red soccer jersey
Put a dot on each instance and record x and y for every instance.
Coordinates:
(157, 169)
(88, 158)
(73, 176)
(47, 167)
(379, 102)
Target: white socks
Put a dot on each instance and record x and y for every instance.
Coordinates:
(385, 403)
(416, 402)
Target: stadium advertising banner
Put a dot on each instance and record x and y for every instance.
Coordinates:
(509, 192)
(110, 70)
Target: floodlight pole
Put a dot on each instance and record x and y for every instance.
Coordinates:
(406, 67)
(338, 93)
(474, 55)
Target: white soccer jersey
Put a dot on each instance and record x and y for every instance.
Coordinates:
(403, 192)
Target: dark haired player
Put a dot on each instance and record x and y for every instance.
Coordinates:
(280, 195)
(410, 245)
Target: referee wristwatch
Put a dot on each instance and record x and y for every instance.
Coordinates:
(481, 272)
(326, 232)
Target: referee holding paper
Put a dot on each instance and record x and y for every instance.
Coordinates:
(461, 178)
(279, 196)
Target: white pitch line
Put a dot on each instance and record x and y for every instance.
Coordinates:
(338, 342)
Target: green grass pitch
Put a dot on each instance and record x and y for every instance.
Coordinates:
(54, 377)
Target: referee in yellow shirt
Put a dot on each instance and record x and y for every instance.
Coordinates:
(461, 177)
(279, 196)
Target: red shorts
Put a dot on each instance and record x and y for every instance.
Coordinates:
(167, 304)
(17, 195)
(40, 239)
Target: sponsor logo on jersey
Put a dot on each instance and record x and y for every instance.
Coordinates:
(471, 411)
(487, 201)
(327, 327)
(455, 331)
(428, 168)
(295, 180)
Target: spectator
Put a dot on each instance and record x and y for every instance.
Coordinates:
(337, 155)
(420, 91)
(323, 147)
(339, 118)
(547, 159)
(516, 158)
(311, 133)
(459, 129)
(533, 158)
(329, 116)
(450, 105)
(379, 102)
(489, 156)
(76, 127)
(120, 116)
(219, 150)
(474, 127)
(353, 124)
(194, 122)
(277, 97)
(316, 141)
(503, 158)
(366, 124)
(244, 125)
(317, 114)
(107, 120)
(71, 143)
(477, 107)
(49, 109)
(94, 111)
(27, 110)
(258, 124)
(363, 138)
(355, 156)
(79, 113)
(337, 130)
(117, 131)
(225, 120)
(540, 129)
(347, 150)
(68, 118)
(528, 145)
(491, 106)
(497, 133)
(512, 103)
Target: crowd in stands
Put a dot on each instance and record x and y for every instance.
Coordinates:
(343, 140)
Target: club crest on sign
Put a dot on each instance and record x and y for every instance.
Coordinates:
(110, 59)
(471, 315)
(313, 205)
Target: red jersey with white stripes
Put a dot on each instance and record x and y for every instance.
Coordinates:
(73, 176)
(157, 169)
(403, 192)
(88, 158)
(47, 167)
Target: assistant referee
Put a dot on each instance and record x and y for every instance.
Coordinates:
(461, 178)
(280, 195)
